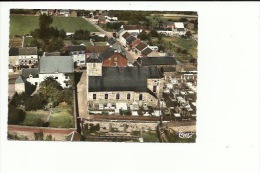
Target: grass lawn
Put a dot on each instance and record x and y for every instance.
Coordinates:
(100, 43)
(150, 137)
(21, 25)
(61, 117)
(27, 40)
(35, 118)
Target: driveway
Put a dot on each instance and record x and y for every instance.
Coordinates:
(82, 96)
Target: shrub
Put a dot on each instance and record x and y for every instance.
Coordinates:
(15, 115)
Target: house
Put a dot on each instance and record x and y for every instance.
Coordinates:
(59, 67)
(170, 24)
(19, 85)
(130, 40)
(31, 76)
(148, 52)
(139, 48)
(28, 57)
(135, 43)
(44, 11)
(117, 48)
(51, 54)
(123, 38)
(131, 29)
(111, 41)
(163, 62)
(95, 49)
(73, 14)
(10, 69)
(95, 19)
(110, 58)
(143, 85)
(102, 20)
(179, 28)
(155, 48)
(190, 26)
(78, 54)
(14, 57)
(27, 76)
(64, 12)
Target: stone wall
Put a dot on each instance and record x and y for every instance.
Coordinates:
(94, 69)
(159, 83)
(134, 96)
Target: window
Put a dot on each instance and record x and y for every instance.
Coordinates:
(106, 96)
(117, 96)
(128, 96)
(36, 83)
(140, 96)
(67, 84)
(56, 77)
(66, 76)
(94, 96)
(154, 88)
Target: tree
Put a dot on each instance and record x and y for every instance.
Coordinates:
(154, 33)
(143, 35)
(45, 21)
(15, 115)
(188, 34)
(81, 34)
(35, 102)
(55, 45)
(62, 33)
(50, 88)
(184, 51)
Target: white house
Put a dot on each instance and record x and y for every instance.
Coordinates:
(44, 11)
(179, 28)
(27, 75)
(59, 67)
(28, 56)
(78, 53)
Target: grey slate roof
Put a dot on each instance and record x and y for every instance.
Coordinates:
(19, 80)
(28, 51)
(123, 79)
(108, 53)
(147, 51)
(130, 39)
(27, 72)
(76, 48)
(13, 51)
(53, 64)
(94, 58)
(161, 60)
(111, 41)
(51, 54)
(117, 47)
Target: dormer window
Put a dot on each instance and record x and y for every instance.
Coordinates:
(30, 76)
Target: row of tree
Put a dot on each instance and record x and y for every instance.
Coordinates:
(50, 91)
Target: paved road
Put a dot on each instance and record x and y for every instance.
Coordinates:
(108, 34)
(129, 55)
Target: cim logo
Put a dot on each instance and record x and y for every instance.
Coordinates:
(186, 134)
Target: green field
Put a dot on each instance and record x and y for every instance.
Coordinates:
(22, 25)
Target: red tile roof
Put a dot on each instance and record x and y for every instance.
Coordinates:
(141, 46)
(96, 49)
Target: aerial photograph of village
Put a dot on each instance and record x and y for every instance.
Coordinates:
(102, 75)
